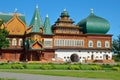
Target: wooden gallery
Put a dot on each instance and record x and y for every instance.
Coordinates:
(64, 41)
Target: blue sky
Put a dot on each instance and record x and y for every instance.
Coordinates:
(77, 9)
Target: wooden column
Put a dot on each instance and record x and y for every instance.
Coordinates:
(30, 56)
(0, 54)
(40, 52)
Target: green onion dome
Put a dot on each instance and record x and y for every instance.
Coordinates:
(94, 25)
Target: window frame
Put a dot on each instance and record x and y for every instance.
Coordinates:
(99, 44)
(90, 44)
(14, 42)
(107, 44)
(20, 42)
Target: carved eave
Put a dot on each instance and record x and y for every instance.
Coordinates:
(3, 26)
(71, 26)
(65, 21)
(28, 30)
(36, 46)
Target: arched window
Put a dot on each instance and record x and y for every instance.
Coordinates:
(90, 43)
(14, 42)
(20, 42)
(98, 44)
(107, 44)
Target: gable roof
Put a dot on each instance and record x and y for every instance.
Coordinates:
(32, 42)
(6, 17)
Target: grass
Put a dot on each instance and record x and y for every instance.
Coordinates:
(85, 71)
(7, 79)
(55, 66)
(112, 75)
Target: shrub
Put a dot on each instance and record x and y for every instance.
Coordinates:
(17, 66)
(60, 66)
(116, 68)
(118, 65)
(24, 65)
(7, 79)
(85, 67)
(50, 63)
(33, 66)
(3, 63)
(96, 67)
(34, 62)
(47, 67)
(74, 67)
(65, 63)
(106, 65)
(5, 66)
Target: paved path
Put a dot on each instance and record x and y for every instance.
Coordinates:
(21, 76)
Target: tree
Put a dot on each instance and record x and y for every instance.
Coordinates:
(3, 34)
(116, 48)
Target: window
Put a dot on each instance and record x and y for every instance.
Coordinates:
(14, 42)
(64, 57)
(68, 57)
(97, 57)
(47, 42)
(20, 42)
(98, 44)
(68, 42)
(90, 43)
(55, 42)
(80, 57)
(107, 44)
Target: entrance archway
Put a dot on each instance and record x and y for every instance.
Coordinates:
(106, 57)
(74, 58)
(35, 56)
(92, 57)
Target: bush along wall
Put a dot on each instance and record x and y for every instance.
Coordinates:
(51, 66)
(73, 67)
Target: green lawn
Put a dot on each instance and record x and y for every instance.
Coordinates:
(104, 71)
(112, 75)
(6, 79)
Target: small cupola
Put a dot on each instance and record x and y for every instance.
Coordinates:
(64, 13)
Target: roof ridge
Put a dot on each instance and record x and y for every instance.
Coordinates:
(19, 14)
